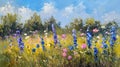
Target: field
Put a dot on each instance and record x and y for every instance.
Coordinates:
(63, 54)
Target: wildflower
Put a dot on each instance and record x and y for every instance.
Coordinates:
(65, 50)
(37, 46)
(59, 43)
(42, 43)
(95, 53)
(27, 37)
(83, 46)
(18, 32)
(104, 51)
(21, 44)
(63, 36)
(33, 50)
(54, 34)
(71, 47)
(113, 36)
(104, 44)
(69, 57)
(82, 34)
(95, 30)
(89, 38)
(64, 54)
(14, 35)
(74, 37)
(98, 37)
(25, 34)
(75, 53)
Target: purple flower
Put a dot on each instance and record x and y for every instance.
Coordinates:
(54, 34)
(18, 32)
(74, 37)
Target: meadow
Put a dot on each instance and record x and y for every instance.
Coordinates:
(44, 51)
(37, 43)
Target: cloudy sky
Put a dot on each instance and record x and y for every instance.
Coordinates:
(63, 10)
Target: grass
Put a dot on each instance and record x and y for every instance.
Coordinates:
(10, 56)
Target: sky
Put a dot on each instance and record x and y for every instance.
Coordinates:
(64, 11)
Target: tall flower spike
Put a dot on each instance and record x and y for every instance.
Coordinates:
(20, 42)
(104, 46)
(18, 32)
(42, 43)
(74, 37)
(54, 34)
(89, 38)
(95, 54)
(113, 36)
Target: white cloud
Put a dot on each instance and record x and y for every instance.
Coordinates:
(111, 16)
(48, 10)
(64, 15)
(68, 10)
(7, 9)
(24, 13)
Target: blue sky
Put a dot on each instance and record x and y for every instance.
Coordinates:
(63, 10)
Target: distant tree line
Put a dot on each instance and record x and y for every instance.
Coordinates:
(9, 24)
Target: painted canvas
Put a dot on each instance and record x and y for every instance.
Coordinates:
(59, 33)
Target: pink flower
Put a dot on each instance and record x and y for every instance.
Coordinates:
(75, 53)
(82, 34)
(64, 54)
(65, 50)
(107, 32)
(83, 46)
(69, 57)
(95, 30)
(63, 36)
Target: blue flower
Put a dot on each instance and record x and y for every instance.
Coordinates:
(104, 51)
(104, 45)
(71, 47)
(42, 42)
(111, 42)
(37, 46)
(55, 35)
(75, 40)
(95, 53)
(74, 37)
(89, 43)
(18, 32)
(75, 45)
(89, 35)
(89, 38)
(113, 36)
(33, 50)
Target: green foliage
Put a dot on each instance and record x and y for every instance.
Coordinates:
(9, 24)
(34, 23)
(48, 23)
